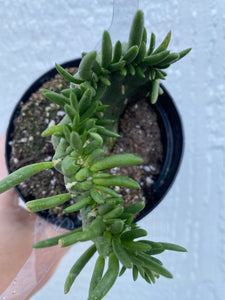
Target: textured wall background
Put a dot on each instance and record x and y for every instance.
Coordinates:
(36, 34)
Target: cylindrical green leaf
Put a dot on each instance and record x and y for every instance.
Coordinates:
(136, 245)
(149, 263)
(184, 52)
(82, 174)
(70, 111)
(135, 207)
(150, 274)
(78, 266)
(67, 76)
(76, 123)
(97, 273)
(101, 88)
(86, 126)
(142, 273)
(105, 80)
(82, 186)
(46, 203)
(131, 69)
(125, 216)
(105, 245)
(85, 101)
(137, 28)
(107, 281)
(96, 229)
(141, 53)
(121, 254)
(109, 133)
(171, 58)
(152, 74)
(156, 260)
(154, 92)
(135, 272)
(106, 49)
(159, 75)
(117, 53)
(56, 98)
(122, 271)
(88, 113)
(75, 141)
(173, 247)
(97, 68)
(59, 134)
(88, 86)
(113, 161)
(154, 59)
(140, 72)
(67, 131)
(101, 175)
(152, 44)
(104, 208)
(60, 150)
(94, 156)
(131, 54)
(156, 248)
(105, 122)
(144, 36)
(73, 101)
(107, 191)
(133, 234)
(67, 92)
(22, 174)
(85, 68)
(96, 137)
(102, 108)
(54, 240)
(117, 226)
(115, 180)
(71, 239)
(165, 43)
(114, 200)
(96, 196)
(114, 213)
(51, 130)
(123, 72)
(117, 66)
(77, 206)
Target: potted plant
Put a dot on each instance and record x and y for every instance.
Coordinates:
(153, 132)
(82, 141)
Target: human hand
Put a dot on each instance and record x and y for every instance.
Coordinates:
(17, 234)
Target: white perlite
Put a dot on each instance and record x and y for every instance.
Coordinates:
(149, 181)
(51, 123)
(70, 185)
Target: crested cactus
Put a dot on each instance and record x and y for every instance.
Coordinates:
(97, 95)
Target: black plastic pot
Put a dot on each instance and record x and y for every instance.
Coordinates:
(172, 138)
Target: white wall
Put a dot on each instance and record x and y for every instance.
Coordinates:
(36, 34)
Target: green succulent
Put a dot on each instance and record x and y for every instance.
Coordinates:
(97, 95)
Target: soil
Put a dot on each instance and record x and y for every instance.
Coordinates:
(140, 133)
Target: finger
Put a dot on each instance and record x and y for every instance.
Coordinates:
(3, 169)
(10, 194)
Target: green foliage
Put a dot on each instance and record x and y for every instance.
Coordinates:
(80, 141)
(46, 203)
(22, 174)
